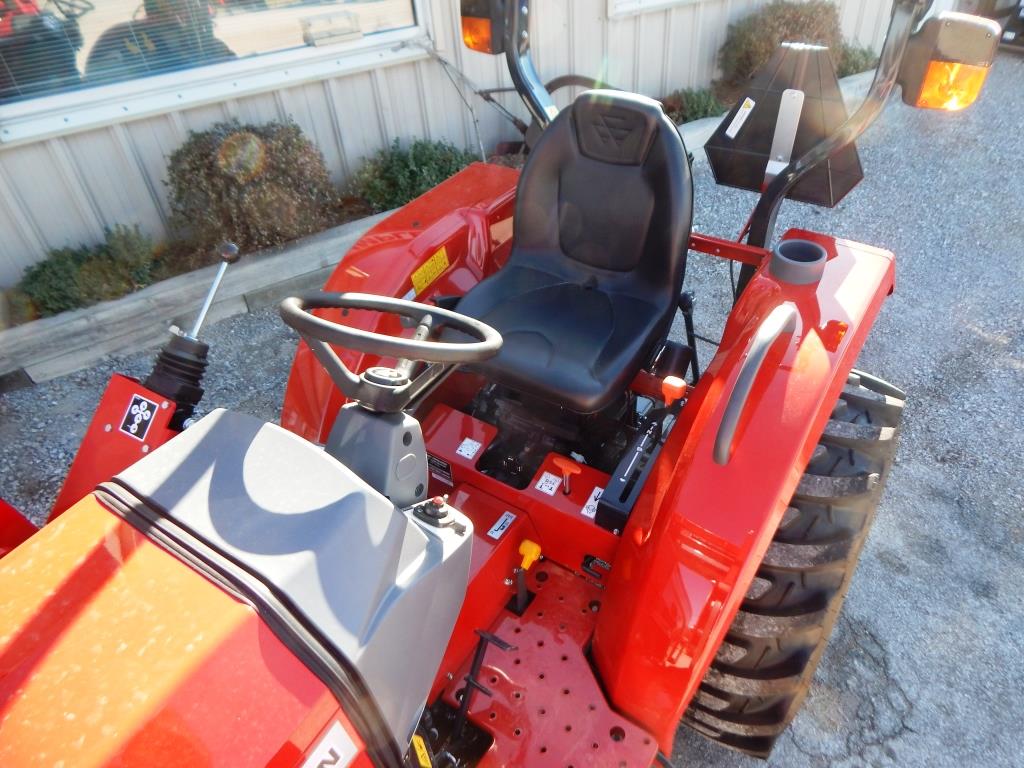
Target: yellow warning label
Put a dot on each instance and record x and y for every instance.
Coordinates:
(430, 270)
(422, 756)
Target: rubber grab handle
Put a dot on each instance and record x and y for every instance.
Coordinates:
(782, 319)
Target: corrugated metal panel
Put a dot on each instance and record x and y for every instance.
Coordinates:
(64, 191)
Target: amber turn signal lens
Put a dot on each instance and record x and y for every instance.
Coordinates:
(476, 33)
(951, 86)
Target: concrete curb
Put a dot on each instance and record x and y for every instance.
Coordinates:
(58, 345)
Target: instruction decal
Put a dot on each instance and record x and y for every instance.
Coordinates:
(741, 117)
(548, 483)
(468, 448)
(430, 270)
(590, 508)
(335, 750)
(503, 524)
(440, 469)
(138, 417)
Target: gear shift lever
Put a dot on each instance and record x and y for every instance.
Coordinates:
(178, 371)
(228, 253)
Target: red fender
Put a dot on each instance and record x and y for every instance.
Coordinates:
(699, 530)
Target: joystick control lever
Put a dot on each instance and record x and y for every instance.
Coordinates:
(178, 371)
(229, 254)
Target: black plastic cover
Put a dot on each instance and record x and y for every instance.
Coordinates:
(742, 161)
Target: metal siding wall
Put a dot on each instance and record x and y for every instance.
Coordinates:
(64, 191)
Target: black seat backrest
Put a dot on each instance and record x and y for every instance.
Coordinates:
(609, 187)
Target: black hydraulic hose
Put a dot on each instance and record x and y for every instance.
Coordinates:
(663, 760)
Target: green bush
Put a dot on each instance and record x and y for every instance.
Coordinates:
(70, 278)
(395, 175)
(689, 104)
(752, 40)
(52, 285)
(855, 59)
(257, 185)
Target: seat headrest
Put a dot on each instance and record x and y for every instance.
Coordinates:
(616, 127)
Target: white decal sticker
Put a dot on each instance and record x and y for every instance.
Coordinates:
(741, 117)
(503, 524)
(548, 483)
(590, 508)
(468, 448)
(335, 750)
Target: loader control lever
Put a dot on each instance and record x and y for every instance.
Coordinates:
(382, 388)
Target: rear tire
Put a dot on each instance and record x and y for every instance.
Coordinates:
(763, 669)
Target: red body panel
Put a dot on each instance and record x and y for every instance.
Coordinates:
(699, 530)
(115, 653)
(469, 215)
(109, 445)
(14, 528)
(546, 708)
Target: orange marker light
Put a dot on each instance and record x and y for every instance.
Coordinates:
(951, 86)
(476, 33)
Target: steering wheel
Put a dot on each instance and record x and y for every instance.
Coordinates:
(72, 9)
(380, 388)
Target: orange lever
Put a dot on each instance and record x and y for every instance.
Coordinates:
(672, 389)
(568, 468)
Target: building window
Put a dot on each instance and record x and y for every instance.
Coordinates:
(55, 46)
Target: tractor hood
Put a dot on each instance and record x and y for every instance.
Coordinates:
(113, 652)
(216, 596)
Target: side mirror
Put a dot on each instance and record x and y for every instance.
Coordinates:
(483, 25)
(947, 60)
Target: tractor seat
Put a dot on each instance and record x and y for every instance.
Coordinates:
(602, 221)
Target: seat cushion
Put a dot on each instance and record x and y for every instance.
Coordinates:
(565, 340)
(603, 212)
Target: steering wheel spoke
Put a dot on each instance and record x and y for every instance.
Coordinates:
(382, 388)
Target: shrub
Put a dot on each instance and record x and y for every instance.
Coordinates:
(752, 40)
(689, 104)
(257, 185)
(395, 175)
(77, 277)
(52, 285)
(855, 59)
(20, 306)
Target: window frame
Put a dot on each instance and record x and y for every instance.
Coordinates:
(57, 114)
(620, 9)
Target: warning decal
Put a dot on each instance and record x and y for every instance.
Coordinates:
(741, 117)
(503, 524)
(138, 417)
(440, 469)
(430, 270)
(335, 750)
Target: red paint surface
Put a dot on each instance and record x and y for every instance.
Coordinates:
(14, 528)
(699, 530)
(470, 215)
(106, 450)
(546, 707)
(114, 653)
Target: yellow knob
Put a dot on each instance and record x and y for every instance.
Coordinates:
(530, 550)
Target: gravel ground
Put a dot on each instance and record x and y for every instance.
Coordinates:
(924, 667)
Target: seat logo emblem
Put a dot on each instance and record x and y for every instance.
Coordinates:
(611, 129)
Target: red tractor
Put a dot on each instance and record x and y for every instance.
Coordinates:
(506, 519)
